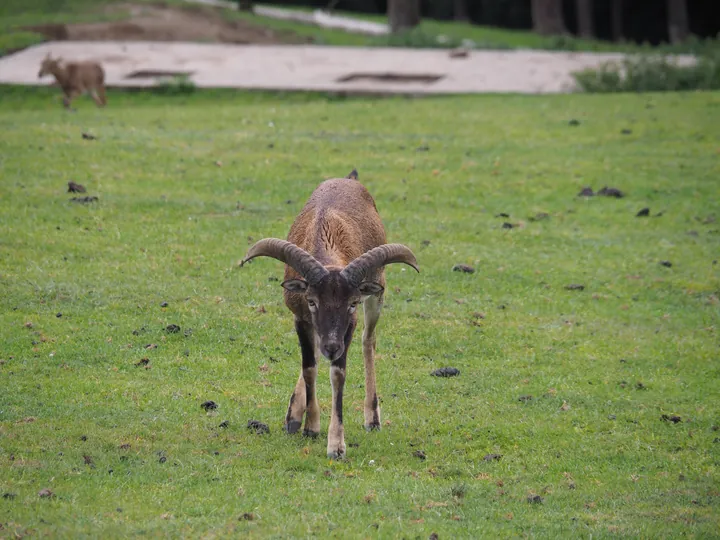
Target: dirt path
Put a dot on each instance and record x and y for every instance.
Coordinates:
(158, 22)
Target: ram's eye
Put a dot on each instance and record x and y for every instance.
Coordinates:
(311, 304)
(353, 307)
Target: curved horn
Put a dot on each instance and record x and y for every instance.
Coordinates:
(297, 258)
(377, 257)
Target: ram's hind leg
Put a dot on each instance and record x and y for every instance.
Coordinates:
(98, 95)
(371, 308)
(303, 398)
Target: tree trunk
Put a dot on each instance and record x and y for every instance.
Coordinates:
(547, 17)
(245, 5)
(403, 14)
(460, 12)
(585, 18)
(616, 12)
(677, 20)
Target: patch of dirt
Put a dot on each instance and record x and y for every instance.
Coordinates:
(160, 22)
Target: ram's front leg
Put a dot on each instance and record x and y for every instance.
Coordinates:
(68, 96)
(336, 432)
(303, 397)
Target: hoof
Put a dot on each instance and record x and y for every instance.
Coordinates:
(293, 426)
(336, 454)
(372, 427)
(311, 434)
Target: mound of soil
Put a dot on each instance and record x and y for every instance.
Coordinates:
(159, 22)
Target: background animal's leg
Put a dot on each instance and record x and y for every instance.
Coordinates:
(98, 95)
(68, 97)
(372, 308)
(336, 432)
(298, 399)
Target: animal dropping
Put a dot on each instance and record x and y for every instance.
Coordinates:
(575, 287)
(75, 188)
(84, 200)
(446, 372)
(334, 256)
(463, 268)
(259, 427)
(209, 405)
(611, 192)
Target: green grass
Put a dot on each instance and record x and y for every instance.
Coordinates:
(484, 37)
(171, 223)
(18, 14)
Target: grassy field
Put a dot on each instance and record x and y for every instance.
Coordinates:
(185, 184)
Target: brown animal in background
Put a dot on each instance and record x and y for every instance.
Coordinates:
(76, 78)
(335, 257)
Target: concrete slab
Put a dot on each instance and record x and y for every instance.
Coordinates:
(315, 68)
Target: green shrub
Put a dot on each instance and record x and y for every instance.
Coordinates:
(563, 43)
(648, 73)
(418, 39)
(13, 41)
(177, 86)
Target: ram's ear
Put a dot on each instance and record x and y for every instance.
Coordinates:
(298, 286)
(368, 288)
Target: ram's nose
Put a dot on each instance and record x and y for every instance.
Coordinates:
(332, 350)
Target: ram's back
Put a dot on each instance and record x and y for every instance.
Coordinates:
(338, 224)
